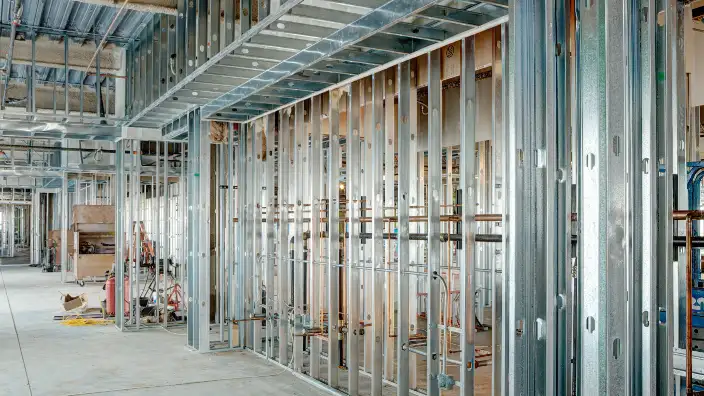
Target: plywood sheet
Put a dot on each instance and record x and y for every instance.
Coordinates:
(89, 265)
(93, 218)
(451, 58)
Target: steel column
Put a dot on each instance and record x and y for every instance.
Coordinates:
(671, 137)
(433, 213)
(300, 160)
(367, 187)
(652, 385)
(166, 249)
(231, 288)
(377, 258)
(558, 207)
(269, 204)
(65, 207)
(257, 252)
(314, 242)
(283, 252)
(389, 201)
(604, 75)
(242, 281)
(199, 233)
(468, 255)
(498, 103)
(416, 192)
(35, 228)
(403, 199)
(334, 164)
(120, 242)
(352, 171)
(527, 263)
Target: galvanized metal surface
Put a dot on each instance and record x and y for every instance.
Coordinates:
(68, 20)
(302, 48)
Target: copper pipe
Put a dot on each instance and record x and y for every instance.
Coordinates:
(680, 214)
(412, 219)
(689, 216)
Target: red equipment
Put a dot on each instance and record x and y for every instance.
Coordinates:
(110, 296)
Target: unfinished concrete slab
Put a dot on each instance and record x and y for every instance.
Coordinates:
(40, 356)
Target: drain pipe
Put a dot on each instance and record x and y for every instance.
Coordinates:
(11, 49)
(8, 66)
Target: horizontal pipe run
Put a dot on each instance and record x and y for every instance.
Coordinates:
(394, 219)
(682, 214)
(5, 147)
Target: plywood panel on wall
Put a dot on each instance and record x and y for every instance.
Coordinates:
(451, 58)
(93, 214)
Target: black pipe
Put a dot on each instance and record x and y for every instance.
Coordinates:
(496, 238)
(677, 241)
(680, 241)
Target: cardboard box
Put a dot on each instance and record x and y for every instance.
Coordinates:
(69, 302)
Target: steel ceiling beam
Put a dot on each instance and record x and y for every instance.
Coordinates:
(378, 19)
(304, 48)
(72, 34)
(201, 70)
(391, 63)
(454, 15)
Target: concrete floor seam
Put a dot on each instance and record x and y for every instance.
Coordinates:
(17, 334)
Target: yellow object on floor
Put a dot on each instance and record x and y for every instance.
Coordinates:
(79, 321)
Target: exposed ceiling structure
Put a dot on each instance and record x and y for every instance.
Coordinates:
(236, 69)
(305, 47)
(54, 54)
(237, 66)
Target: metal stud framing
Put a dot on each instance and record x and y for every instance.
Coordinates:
(270, 207)
(333, 270)
(404, 250)
(319, 277)
(284, 301)
(467, 186)
(354, 276)
(300, 154)
(433, 204)
(199, 234)
(378, 253)
(233, 77)
(314, 269)
(258, 253)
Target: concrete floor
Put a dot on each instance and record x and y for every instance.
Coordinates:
(39, 356)
(21, 257)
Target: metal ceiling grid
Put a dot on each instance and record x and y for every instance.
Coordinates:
(81, 21)
(299, 49)
(17, 125)
(51, 75)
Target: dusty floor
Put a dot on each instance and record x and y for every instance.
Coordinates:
(39, 356)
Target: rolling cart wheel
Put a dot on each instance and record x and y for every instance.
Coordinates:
(81, 283)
